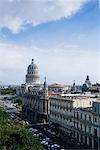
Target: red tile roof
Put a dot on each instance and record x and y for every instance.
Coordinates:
(56, 85)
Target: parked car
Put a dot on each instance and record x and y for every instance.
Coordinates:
(47, 139)
(33, 130)
(44, 142)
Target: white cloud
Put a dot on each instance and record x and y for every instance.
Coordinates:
(63, 68)
(15, 14)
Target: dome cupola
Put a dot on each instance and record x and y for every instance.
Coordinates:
(32, 76)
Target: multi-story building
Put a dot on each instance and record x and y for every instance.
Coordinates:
(34, 95)
(95, 88)
(77, 116)
(60, 88)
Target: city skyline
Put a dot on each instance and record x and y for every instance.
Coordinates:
(62, 36)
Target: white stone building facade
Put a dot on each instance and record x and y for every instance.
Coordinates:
(80, 122)
(34, 95)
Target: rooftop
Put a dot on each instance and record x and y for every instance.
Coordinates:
(56, 85)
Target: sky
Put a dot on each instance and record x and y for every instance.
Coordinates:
(61, 35)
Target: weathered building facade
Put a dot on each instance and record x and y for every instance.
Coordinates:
(78, 116)
(35, 96)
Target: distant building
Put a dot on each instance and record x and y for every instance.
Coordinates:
(87, 81)
(96, 107)
(87, 85)
(95, 88)
(74, 87)
(54, 89)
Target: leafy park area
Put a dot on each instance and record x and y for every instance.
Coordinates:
(7, 91)
(15, 137)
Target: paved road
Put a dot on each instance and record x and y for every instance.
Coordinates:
(8, 105)
(67, 142)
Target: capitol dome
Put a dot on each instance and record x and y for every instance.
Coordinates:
(32, 76)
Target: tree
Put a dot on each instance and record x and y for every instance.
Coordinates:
(15, 137)
(18, 101)
(7, 91)
(3, 117)
(18, 138)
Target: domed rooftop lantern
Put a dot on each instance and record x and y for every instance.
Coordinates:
(32, 61)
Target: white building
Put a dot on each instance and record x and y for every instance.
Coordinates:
(34, 95)
(75, 115)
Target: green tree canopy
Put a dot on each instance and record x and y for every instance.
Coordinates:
(15, 137)
(7, 91)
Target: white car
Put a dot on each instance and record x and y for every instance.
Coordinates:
(33, 130)
(35, 135)
(53, 133)
(56, 145)
(52, 146)
(40, 134)
(44, 143)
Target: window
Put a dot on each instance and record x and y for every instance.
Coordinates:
(60, 107)
(81, 115)
(67, 109)
(95, 119)
(85, 116)
(85, 140)
(81, 138)
(61, 116)
(95, 132)
(63, 107)
(95, 109)
(85, 128)
(77, 124)
(50, 112)
(81, 126)
(74, 123)
(70, 120)
(77, 114)
(89, 118)
(43, 106)
(89, 129)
